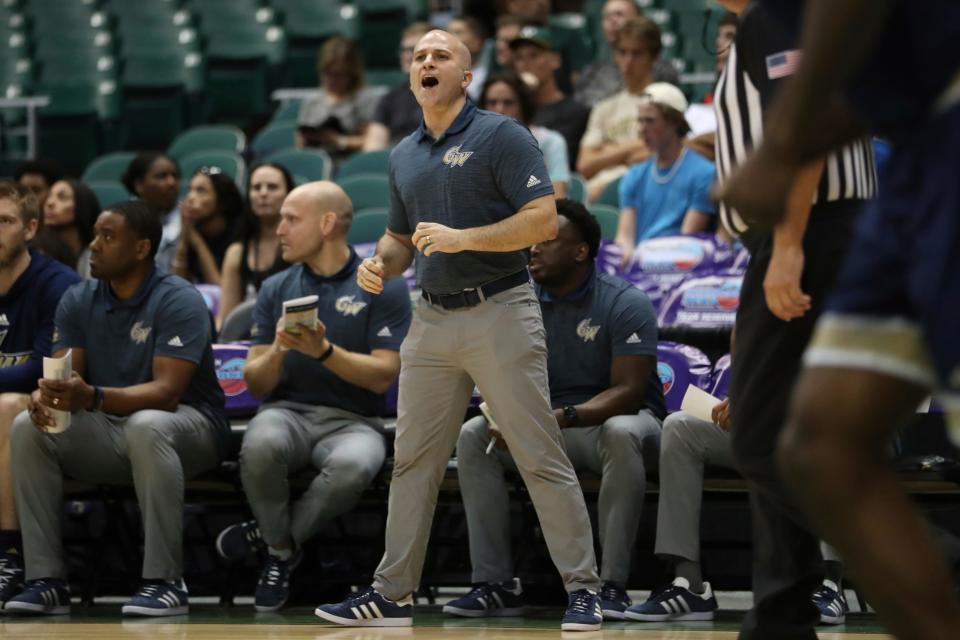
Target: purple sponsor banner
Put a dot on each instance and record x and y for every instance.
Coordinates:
(708, 302)
(720, 385)
(229, 360)
(660, 264)
(679, 366)
(211, 296)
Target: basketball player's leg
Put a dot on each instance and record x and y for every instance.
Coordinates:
(834, 455)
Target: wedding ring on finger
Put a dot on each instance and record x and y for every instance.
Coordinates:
(56, 402)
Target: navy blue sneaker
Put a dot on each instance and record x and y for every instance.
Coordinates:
(831, 603)
(369, 609)
(47, 596)
(613, 601)
(11, 576)
(158, 598)
(676, 602)
(489, 600)
(240, 540)
(273, 588)
(583, 612)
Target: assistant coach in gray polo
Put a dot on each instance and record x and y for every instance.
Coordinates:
(469, 193)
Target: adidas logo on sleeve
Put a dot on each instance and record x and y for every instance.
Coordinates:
(634, 338)
(532, 182)
(385, 333)
(175, 341)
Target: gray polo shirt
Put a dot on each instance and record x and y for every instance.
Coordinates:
(604, 318)
(356, 320)
(483, 169)
(166, 317)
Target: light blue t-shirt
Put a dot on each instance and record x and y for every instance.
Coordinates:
(661, 201)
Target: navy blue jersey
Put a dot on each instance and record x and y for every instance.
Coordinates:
(166, 317)
(355, 320)
(605, 318)
(482, 170)
(27, 314)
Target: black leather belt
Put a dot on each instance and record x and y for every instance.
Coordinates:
(472, 297)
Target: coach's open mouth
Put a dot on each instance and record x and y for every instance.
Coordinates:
(428, 82)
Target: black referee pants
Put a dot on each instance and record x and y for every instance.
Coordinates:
(787, 564)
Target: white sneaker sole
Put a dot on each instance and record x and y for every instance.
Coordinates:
(133, 610)
(699, 616)
(485, 613)
(833, 620)
(371, 622)
(580, 626)
(611, 614)
(35, 609)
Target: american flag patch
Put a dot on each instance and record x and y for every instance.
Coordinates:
(783, 64)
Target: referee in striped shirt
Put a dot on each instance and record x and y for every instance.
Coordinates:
(791, 270)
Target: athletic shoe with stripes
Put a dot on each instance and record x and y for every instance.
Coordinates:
(613, 601)
(240, 540)
(583, 612)
(158, 598)
(369, 609)
(47, 596)
(11, 576)
(831, 603)
(489, 600)
(273, 588)
(676, 602)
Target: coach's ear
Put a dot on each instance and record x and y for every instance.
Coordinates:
(143, 248)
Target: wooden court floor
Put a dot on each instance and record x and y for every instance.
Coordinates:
(104, 623)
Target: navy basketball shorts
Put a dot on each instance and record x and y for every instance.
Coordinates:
(896, 307)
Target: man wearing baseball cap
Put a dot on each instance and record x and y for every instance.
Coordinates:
(669, 193)
(537, 60)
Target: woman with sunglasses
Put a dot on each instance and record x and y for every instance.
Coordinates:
(255, 255)
(208, 217)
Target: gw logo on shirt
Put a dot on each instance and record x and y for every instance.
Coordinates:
(586, 331)
(347, 306)
(14, 359)
(454, 157)
(139, 333)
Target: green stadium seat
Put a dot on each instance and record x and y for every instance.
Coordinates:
(229, 163)
(108, 191)
(381, 25)
(286, 112)
(208, 138)
(610, 194)
(365, 163)
(368, 225)
(367, 191)
(577, 188)
(108, 167)
(308, 164)
(276, 136)
(608, 217)
(384, 77)
(154, 99)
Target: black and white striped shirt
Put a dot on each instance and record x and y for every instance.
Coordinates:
(761, 58)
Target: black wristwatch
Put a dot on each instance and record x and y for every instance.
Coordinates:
(326, 354)
(570, 413)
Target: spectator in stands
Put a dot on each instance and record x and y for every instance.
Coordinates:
(68, 218)
(208, 222)
(508, 29)
(38, 176)
(255, 256)
(30, 288)
(146, 407)
(507, 94)
(336, 118)
(601, 337)
(612, 142)
(154, 177)
(535, 59)
(602, 79)
(668, 194)
(472, 34)
(702, 117)
(530, 11)
(398, 114)
(323, 388)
